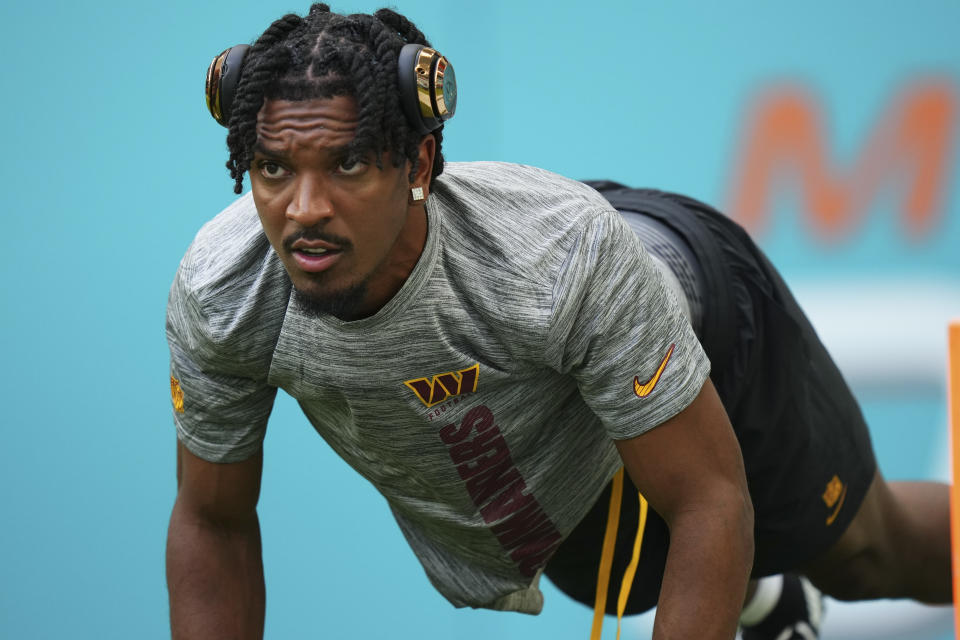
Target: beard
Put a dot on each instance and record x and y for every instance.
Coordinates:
(342, 304)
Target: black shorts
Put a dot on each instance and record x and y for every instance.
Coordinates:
(806, 447)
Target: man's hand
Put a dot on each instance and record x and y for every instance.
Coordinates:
(690, 469)
(214, 565)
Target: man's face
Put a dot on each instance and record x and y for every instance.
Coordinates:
(345, 233)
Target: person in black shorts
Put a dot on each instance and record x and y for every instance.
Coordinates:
(807, 453)
(333, 120)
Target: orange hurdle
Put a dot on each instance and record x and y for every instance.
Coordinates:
(953, 413)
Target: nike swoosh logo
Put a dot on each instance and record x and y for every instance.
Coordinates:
(836, 512)
(644, 389)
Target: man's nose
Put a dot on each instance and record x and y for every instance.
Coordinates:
(310, 204)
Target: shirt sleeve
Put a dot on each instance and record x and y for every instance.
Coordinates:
(620, 333)
(221, 403)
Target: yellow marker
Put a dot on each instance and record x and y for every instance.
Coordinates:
(953, 411)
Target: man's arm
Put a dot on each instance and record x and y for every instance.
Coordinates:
(690, 469)
(214, 563)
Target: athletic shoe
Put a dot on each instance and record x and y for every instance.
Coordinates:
(794, 610)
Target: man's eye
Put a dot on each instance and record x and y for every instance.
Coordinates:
(351, 167)
(270, 169)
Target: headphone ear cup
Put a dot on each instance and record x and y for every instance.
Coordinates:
(223, 76)
(409, 92)
(428, 87)
(423, 77)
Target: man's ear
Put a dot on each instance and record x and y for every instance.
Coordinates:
(425, 155)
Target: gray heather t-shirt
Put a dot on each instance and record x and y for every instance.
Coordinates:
(482, 399)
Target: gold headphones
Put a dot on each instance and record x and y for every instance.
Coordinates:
(428, 86)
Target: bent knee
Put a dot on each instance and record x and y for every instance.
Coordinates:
(864, 575)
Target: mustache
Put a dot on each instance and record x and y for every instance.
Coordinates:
(316, 234)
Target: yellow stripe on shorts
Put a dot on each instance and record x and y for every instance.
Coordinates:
(606, 558)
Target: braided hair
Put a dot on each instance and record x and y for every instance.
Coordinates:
(323, 55)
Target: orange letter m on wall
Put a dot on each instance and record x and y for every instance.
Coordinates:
(784, 137)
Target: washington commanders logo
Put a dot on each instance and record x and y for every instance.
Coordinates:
(435, 390)
(176, 393)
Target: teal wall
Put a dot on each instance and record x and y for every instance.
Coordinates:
(111, 165)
